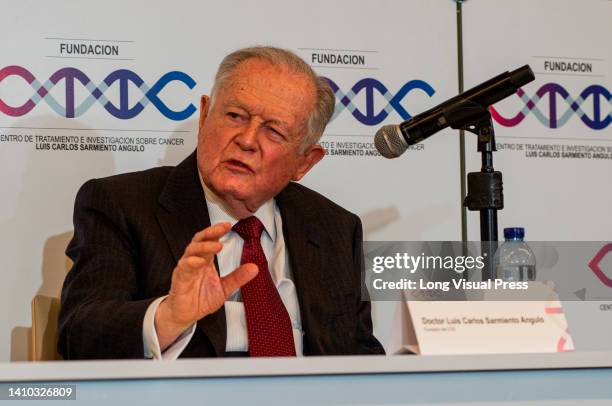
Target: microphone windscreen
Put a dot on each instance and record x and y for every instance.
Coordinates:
(388, 141)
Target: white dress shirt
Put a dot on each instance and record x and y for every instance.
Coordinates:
(273, 244)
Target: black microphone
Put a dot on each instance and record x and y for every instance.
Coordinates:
(392, 140)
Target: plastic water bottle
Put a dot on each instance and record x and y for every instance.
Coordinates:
(514, 260)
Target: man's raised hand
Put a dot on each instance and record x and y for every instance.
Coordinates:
(197, 290)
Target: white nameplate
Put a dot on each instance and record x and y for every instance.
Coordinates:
(481, 327)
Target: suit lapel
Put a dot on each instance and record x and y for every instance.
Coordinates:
(303, 242)
(181, 214)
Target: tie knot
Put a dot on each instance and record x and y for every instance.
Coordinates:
(249, 228)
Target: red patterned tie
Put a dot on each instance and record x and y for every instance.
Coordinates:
(268, 323)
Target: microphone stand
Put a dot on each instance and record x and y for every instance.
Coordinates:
(484, 188)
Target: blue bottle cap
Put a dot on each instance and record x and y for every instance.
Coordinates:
(514, 233)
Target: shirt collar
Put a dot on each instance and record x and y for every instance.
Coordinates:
(218, 212)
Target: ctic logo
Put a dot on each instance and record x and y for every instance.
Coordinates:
(369, 85)
(123, 111)
(596, 120)
(595, 265)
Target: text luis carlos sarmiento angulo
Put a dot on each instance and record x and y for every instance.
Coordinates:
(410, 264)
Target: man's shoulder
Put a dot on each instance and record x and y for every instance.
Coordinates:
(313, 202)
(132, 188)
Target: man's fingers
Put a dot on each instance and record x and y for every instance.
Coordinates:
(213, 232)
(241, 276)
(201, 251)
(204, 249)
(191, 264)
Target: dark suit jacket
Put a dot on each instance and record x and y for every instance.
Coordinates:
(130, 230)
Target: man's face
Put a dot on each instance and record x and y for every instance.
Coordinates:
(250, 136)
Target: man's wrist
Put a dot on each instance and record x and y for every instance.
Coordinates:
(167, 330)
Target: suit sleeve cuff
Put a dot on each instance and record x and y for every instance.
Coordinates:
(150, 341)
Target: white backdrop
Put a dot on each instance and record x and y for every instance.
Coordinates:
(554, 198)
(391, 70)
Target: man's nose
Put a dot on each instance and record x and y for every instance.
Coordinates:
(247, 137)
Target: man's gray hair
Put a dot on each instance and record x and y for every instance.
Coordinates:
(325, 98)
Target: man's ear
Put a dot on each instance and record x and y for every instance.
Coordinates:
(310, 158)
(204, 106)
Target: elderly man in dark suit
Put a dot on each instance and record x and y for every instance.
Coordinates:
(278, 273)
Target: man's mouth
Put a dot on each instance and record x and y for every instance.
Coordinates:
(238, 166)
